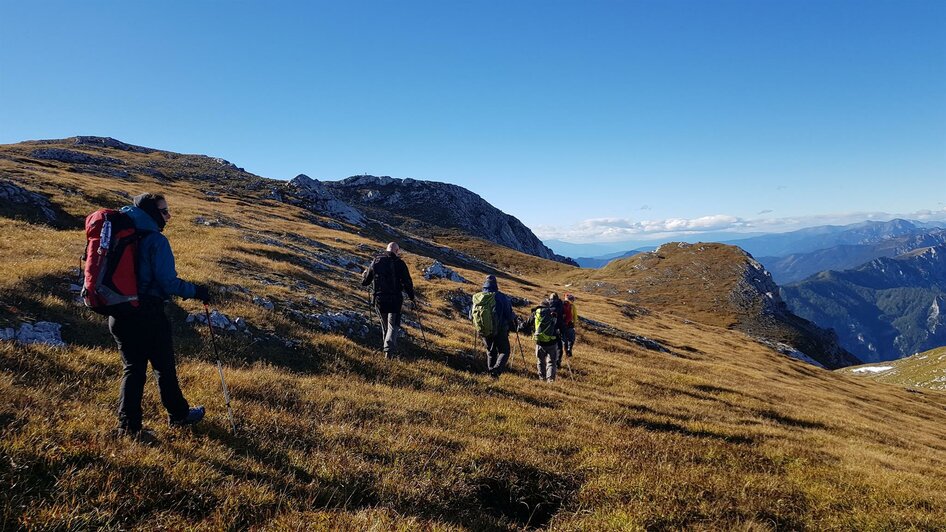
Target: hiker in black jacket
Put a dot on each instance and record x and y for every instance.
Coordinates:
(558, 310)
(497, 344)
(389, 277)
(145, 335)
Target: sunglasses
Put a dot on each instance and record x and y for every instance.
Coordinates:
(165, 211)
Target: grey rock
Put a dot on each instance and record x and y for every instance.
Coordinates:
(72, 157)
(219, 321)
(8, 334)
(263, 302)
(10, 192)
(315, 197)
(109, 142)
(438, 271)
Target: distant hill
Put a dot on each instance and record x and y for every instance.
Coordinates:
(715, 284)
(598, 262)
(886, 309)
(922, 370)
(827, 236)
(798, 266)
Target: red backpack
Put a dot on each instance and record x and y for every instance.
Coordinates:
(110, 286)
(569, 315)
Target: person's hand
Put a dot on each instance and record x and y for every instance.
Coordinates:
(203, 294)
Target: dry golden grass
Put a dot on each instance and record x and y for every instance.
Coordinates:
(720, 434)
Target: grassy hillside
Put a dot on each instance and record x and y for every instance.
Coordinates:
(922, 370)
(713, 431)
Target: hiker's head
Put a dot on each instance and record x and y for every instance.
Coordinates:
(156, 207)
(570, 297)
(490, 283)
(394, 248)
(553, 297)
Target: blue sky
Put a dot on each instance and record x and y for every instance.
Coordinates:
(588, 120)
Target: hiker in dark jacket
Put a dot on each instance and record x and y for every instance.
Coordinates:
(544, 332)
(558, 310)
(389, 278)
(497, 344)
(145, 335)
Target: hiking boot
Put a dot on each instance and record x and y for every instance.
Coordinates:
(193, 416)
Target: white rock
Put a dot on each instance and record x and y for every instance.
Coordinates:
(42, 332)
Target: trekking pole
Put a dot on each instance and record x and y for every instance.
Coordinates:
(421, 325)
(376, 312)
(223, 382)
(522, 356)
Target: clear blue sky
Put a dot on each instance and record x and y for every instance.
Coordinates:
(650, 114)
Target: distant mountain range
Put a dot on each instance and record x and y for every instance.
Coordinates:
(886, 309)
(798, 266)
(794, 255)
(828, 236)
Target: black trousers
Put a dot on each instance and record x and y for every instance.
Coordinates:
(146, 337)
(497, 353)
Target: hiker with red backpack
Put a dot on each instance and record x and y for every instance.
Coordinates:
(389, 280)
(545, 332)
(129, 276)
(493, 318)
(570, 319)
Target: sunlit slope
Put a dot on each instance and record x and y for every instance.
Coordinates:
(922, 370)
(706, 429)
(716, 284)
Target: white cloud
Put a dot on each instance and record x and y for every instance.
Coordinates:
(616, 229)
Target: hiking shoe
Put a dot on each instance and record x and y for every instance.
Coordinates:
(193, 416)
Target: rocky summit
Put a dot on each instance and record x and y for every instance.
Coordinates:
(429, 207)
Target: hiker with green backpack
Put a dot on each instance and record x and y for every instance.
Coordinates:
(543, 325)
(493, 318)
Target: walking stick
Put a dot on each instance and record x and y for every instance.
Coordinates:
(523, 357)
(223, 382)
(376, 312)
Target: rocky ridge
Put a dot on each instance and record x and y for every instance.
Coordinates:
(405, 202)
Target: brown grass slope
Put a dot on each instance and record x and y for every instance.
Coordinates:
(716, 433)
(715, 284)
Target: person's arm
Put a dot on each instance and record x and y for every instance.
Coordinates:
(406, 282)
(368, 275)
(165, 273)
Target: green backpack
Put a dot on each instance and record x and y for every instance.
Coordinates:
(544, 325)
(484, 313)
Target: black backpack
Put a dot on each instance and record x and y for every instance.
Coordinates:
(385, 286)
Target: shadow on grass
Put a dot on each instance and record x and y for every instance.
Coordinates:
(674, 428)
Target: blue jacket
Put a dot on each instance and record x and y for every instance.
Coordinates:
(157, 275)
